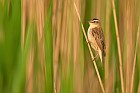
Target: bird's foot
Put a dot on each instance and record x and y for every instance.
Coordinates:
(94, 57)
(88, 42)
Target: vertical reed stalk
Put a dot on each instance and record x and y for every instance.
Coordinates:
(134, 62)
(119, 47)
(107, 34)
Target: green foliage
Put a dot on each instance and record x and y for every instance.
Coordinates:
(48, 51)
(75, 70)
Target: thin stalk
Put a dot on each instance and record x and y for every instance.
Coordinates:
(134, 63)
(92, 57)
(119, 47)
(107, 34)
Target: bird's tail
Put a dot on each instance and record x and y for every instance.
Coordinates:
(101, 55)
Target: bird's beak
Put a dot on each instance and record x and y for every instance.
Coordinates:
(89, 21)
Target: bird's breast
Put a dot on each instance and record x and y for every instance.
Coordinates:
(90, 35)
(92, 40)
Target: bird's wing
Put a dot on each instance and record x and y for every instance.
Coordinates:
(99, 37)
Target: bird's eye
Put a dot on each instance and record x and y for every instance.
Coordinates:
(96, 21)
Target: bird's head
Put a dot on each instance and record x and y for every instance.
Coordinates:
(95, 22)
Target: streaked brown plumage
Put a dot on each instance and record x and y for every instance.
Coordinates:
(96, 37)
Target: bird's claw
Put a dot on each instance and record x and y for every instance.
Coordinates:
(94, 57)
(88, 42)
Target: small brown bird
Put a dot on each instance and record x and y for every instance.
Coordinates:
(96, 38)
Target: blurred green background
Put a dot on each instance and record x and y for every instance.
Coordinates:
(43, 49)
